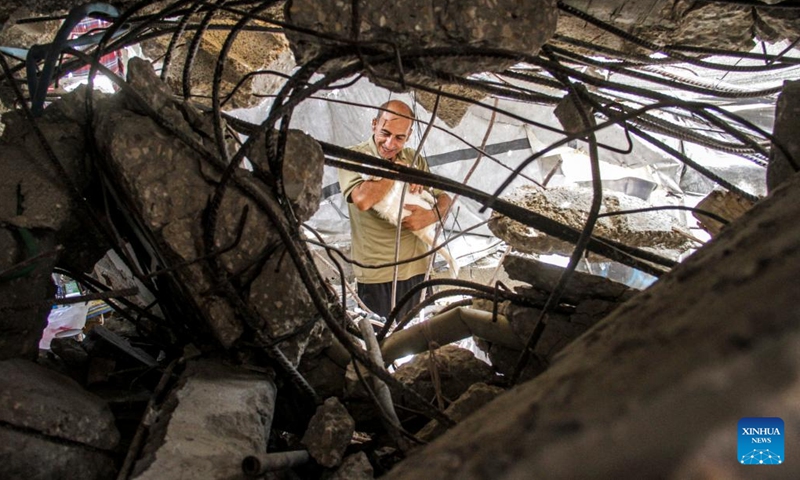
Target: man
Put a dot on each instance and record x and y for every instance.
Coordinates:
(373, 238)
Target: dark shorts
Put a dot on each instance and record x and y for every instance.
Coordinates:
(378, 296)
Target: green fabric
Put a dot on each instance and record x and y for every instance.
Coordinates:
(373, 238)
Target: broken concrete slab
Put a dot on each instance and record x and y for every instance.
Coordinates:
(747, 176)
(775, 25)
(694, 27)
(302, 170)
(36, 198)
(215, 417)
(586, 300)
(714, 25)
(544, 277)
(561, 328)
(33, 398)
(571, 110)
(329, 433)
(570, 205)
(286, 305)
(44, 190)
(42, 211)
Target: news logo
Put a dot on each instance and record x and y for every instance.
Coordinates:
(760, 441)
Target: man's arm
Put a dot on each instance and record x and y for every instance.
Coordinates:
(421, 217)
(368, 193)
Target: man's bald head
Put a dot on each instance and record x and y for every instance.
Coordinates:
(396, 107)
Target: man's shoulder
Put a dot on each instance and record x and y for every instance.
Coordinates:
(408, 155)
(362, 147)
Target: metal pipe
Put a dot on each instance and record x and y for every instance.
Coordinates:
(450, 327)
(258, 465)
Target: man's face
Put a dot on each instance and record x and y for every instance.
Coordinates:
(391, 133)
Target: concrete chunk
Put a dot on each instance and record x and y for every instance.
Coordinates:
(217, 416)
(329, 433)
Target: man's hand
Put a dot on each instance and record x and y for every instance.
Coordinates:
(414, 188)
(422, 217)
(419, 218)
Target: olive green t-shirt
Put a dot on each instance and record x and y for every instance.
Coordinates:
(373, 238)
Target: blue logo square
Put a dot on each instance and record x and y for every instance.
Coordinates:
(760, 441)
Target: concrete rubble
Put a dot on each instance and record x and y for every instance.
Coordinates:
(748, 176)
(450, 110)
(251, 51)
(329, 433)
(234, 408)
(448, 371)
(570, 205)
(50, 427)
(714, 24)
(543, 276)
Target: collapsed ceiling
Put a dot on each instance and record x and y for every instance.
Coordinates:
(240, 347)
